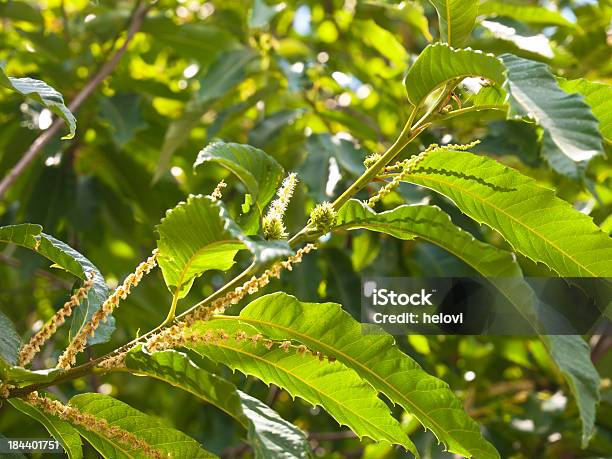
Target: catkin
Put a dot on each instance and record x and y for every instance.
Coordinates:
(68, 358)
(179, 336)
(407, 166)
(93, 424)
(217, 192)
(170, 336)
(272, 224)
(28, 351)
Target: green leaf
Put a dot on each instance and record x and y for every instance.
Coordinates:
(431, 224)
(25, 235)
(198, 235)
(571, 136)
(10, 343)
(457, 19)
(573, 357)
(439, 64)
(384, 42)
(21, 11)
(72, 261)
(153, 431)
(194, 40)
(599, 98)
(42, 93)
(269, 434)
(331, 385)
(65, 257)
(260, 172)
(527, 215)
(19, 376)
(123, 113)
(62, 431)
(525, 13)
(193, 238)
(327, 328)
(223, 74)
(261, 13)
(570, 353)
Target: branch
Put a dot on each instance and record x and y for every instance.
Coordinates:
(409, 133)
(43, 139)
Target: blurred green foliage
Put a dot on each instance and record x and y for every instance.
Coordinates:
(318, 85)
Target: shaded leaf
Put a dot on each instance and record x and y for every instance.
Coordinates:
(571, 135)
(599, 98)
(10, 342)
(65, 257)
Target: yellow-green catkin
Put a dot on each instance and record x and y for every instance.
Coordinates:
(184, 337)
(68, 358)
(28, 351)
(273, 225)
(217, 193)
(404, 168)
(93, 424)
(170, 336)
(323, 217)
(371, 160)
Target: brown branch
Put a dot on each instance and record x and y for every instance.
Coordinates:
(43, 139)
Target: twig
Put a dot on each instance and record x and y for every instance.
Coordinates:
(37, 146)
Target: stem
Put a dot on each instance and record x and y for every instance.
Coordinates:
(307, 233)
(43, 139)
(172, 312)
(472, 109)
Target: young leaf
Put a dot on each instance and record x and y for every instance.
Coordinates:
(269, 434)
(571, 135)
(198, 235)
(599, 98)
(526, 13)
(569, 353)
(193, 238)
(153, 431)
(260, 172)
(65, 257)
(439, 63)
(42, 93)
(331, 385)
(62, 431)
(531, 218)
(457, 18)
(327, 328)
